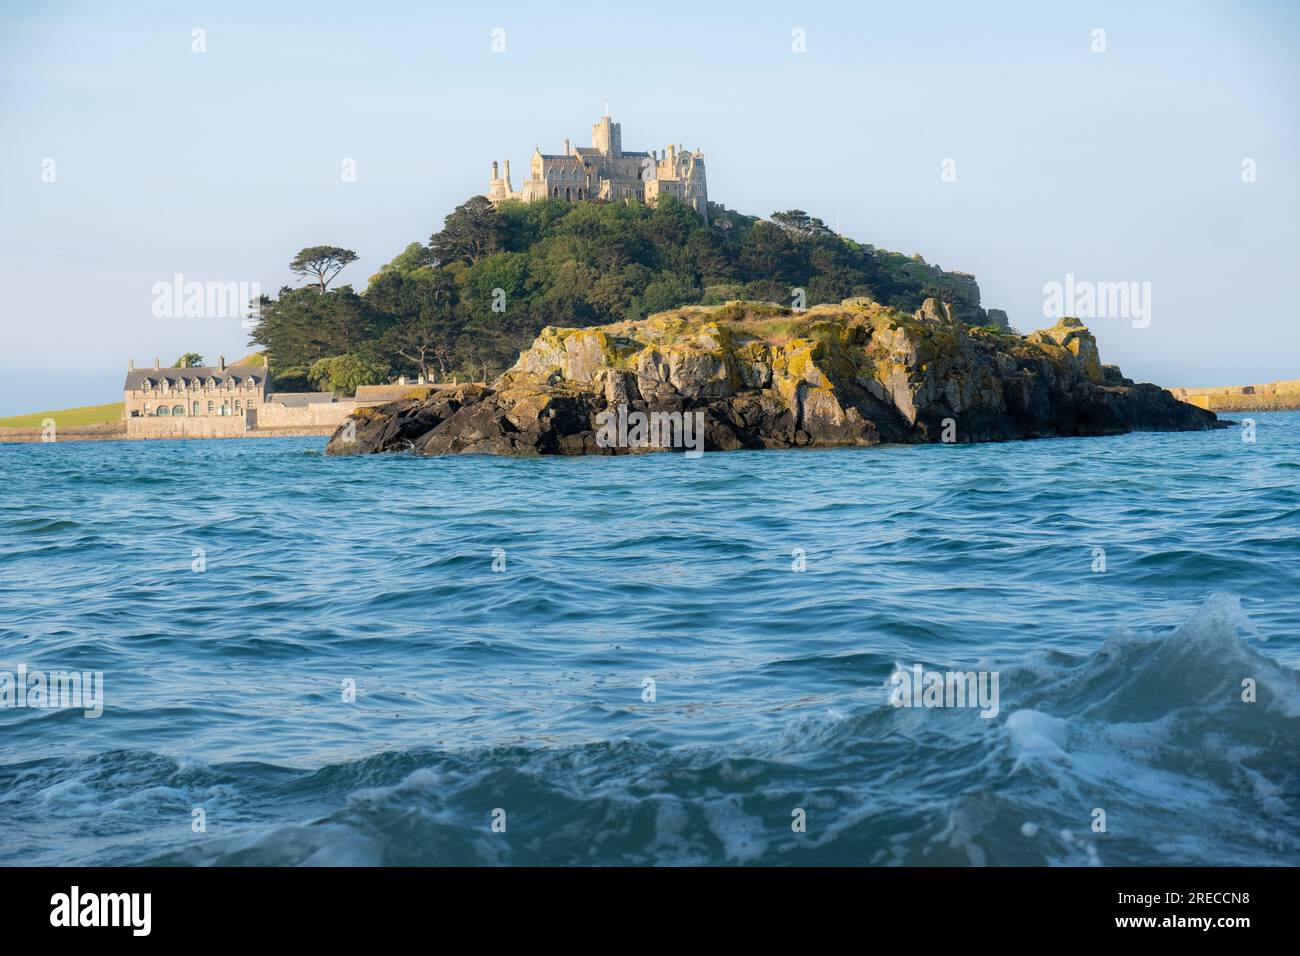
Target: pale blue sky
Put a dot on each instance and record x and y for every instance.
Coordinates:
(1123, 165)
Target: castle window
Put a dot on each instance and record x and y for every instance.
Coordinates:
(194, 408)
(178, 410)
(164, 410)
(209, 408)
(568, 194)
(579, 192)
(239, 406)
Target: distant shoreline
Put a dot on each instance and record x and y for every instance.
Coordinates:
(1279, 396)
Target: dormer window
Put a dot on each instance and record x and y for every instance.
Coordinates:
(230, 382)
(250, 382)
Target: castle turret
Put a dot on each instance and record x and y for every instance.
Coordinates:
(499, 189)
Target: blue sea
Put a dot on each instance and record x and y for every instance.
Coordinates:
(654, 659)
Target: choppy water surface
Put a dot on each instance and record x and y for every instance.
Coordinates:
(522, 689)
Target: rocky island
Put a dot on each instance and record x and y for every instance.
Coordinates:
(759, 375)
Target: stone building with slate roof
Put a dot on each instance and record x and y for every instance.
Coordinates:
(205, 391)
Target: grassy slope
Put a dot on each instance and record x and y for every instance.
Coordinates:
(68, 417)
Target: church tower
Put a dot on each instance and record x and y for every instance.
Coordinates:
(607, 138)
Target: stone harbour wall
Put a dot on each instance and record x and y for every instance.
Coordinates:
(202, 426)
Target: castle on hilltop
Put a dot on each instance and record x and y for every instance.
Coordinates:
(604, 171)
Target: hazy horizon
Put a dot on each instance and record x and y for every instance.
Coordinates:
(1115, 166)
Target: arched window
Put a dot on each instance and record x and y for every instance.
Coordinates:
(164, 410)
(568, 193)
(579, 192)
(178, 410)
(194, 408)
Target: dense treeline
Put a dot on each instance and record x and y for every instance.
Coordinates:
(467, 301)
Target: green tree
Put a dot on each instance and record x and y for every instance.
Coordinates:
(798, 221)
(770, 252)
(189, 360)
(417, 313)
(304, 325)
(415, 256)
(471, 231)
(322, 262)
(343, 373)
(667, 291)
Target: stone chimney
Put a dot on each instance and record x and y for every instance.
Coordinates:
(156, 364)
(131, 367)
(507, 172)
(566, 147)
(223, 363)
(494, 170)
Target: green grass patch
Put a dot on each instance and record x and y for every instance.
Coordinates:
(68, 417)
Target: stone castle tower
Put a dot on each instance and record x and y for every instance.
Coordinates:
(605, 171)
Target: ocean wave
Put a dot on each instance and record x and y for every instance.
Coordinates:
(1151, 728)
